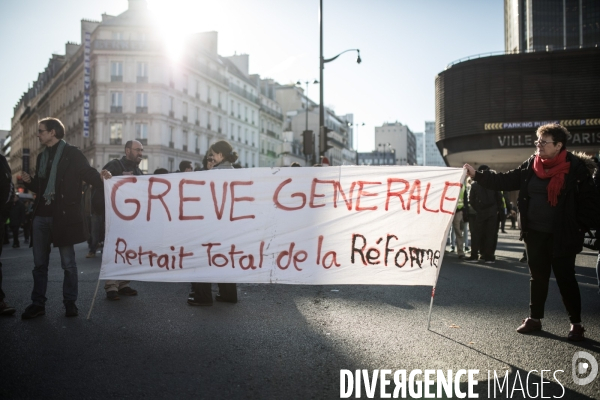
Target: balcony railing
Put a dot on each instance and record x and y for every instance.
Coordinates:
(126, 45)
(271, 134)
(116, 109)
(142, 79)
(244, 93)
(272, 112)
(116, 141)
(141, 110)
(116, 78)
(142, 141)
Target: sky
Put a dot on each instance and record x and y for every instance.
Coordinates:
(403, 45)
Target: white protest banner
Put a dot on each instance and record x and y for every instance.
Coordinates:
(330, 225)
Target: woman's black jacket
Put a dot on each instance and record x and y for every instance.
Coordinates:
(578, 201)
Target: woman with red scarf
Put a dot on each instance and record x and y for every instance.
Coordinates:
(558, 203)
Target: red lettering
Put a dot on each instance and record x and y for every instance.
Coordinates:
(237, 199)
(181, 255)
(130, 255)
(150, 255)
(232, 252)
(158, 196)
(297, 259)
(218, 211)
(183, 199)
(397, 194)
(284, 254)
(319, 245)
(446, 186)
(411, 196)
(333, 262)
(276, 197)
(113, 196)
(313, 194)
(361, 185)
(120, 252)
(163, 261)
(209, 246)
(425, 200)
(338, 186)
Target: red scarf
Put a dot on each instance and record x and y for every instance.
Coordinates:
(557, 168)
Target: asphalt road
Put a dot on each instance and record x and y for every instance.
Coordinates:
(290, 342)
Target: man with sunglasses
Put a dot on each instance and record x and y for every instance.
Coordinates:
(559, 203)
(58, 218)
(127, 165)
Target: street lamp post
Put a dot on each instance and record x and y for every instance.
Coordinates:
(323, 61)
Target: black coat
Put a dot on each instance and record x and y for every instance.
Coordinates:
(67, 217)
(578, 201)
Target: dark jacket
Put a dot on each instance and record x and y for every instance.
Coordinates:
(486, 202)
(67, 218)
(578, 201)
(117, 167)
(6, 189)
(17, 214)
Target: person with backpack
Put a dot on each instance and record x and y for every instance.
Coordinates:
(127, 165)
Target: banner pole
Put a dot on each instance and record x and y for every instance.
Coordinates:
(94, 298)
(431, 307)
(437, 276)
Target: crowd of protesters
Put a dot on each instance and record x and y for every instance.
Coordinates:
(558, 202)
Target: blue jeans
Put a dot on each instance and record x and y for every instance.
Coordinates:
(42, 242)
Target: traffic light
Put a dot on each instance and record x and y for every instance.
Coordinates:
(307, 139)
(324, 140)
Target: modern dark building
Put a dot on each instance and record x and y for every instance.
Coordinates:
(488, 109)
(543, 25)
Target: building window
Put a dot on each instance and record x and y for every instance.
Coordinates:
(239, 137)
(185, 84)
(171, 163)
(171, 137)
(208, 120)
(116, 71)
(142, 72)
(116, 102)
(208, 95)
(117, 35)
(141, 102)
(198, 116)
(141, 133)
(185, 141)
(171, 107)
(185, 111)
(116, 133)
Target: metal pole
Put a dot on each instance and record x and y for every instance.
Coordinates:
(321, 66)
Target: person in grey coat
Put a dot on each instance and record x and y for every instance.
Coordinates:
(222, 154)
